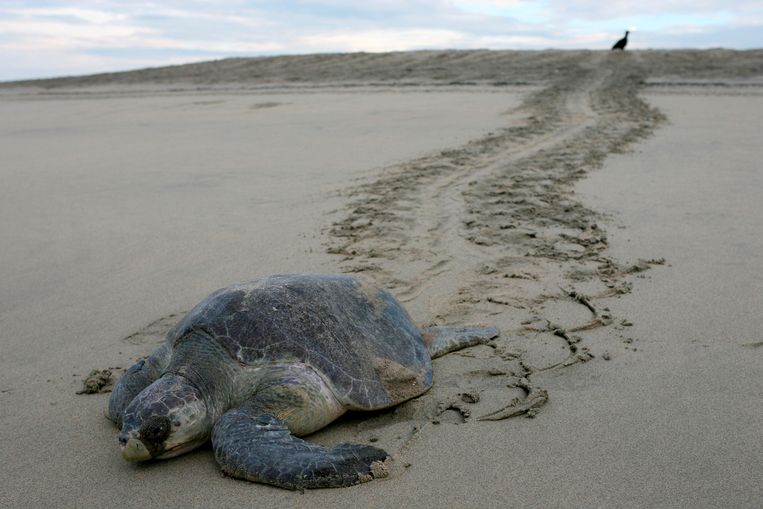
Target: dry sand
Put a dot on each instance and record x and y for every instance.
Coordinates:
(451, 178)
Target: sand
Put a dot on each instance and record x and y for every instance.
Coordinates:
(629, 298)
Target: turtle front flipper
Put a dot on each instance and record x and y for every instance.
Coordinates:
(140, 375)
(446, 339)
(260, 448)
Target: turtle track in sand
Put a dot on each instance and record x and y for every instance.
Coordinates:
(491, 232)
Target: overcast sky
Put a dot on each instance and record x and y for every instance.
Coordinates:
(41, 38)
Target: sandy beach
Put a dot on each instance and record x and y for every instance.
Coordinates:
(603, 210)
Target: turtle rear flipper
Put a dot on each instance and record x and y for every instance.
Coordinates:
(446, 339)
(260, 448)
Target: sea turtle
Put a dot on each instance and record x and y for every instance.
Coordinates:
(258, 364)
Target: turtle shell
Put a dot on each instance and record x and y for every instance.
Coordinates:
(353, 333)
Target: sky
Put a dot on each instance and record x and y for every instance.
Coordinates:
(44, 38)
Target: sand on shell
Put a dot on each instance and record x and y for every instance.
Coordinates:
(128, 197)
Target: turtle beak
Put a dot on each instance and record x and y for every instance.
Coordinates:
(134, 450)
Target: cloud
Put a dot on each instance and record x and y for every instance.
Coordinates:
(48, 37)
(383, 40)
(51, 34)
(596, 10)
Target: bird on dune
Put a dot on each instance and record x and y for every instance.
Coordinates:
(622, 42)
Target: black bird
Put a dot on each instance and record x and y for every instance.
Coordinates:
(622, 42)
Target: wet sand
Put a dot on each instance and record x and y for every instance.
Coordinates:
(130, 197)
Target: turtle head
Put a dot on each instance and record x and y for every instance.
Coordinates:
(168, 418)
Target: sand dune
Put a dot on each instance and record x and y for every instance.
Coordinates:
(497, 68)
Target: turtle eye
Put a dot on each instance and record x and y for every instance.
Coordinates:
(175, 424)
